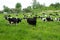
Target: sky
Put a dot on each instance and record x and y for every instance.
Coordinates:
(25, 3)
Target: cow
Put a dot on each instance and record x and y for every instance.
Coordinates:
(12, 19)
(47, 19)
(32, 21)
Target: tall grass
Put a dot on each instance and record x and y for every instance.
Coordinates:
(24, 31)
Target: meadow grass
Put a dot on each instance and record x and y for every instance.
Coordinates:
(24, 31)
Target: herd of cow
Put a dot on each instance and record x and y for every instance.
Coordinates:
(16, 20)
(31, 21)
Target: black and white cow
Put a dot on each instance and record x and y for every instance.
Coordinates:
(12, 19)
(47, 19)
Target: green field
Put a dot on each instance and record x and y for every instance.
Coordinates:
(24, 31)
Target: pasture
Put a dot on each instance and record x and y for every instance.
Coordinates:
(24, 31)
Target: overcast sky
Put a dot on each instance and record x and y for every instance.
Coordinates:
(25, 3)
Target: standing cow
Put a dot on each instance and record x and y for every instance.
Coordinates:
(32, 21)
(12, 19)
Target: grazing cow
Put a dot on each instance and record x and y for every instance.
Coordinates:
(47, 19)
(13, 19)
(31, 21)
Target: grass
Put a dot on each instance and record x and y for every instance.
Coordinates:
(24, 31)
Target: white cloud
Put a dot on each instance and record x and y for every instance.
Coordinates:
(25, 3)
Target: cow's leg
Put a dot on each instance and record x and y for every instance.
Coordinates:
(15, 23)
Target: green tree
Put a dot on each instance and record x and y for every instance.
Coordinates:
(56, 6)
(28, 9)
(6, 9)
(34, 4)
(37, 7)
(18, 7)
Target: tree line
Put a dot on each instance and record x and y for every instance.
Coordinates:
(35, 7)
